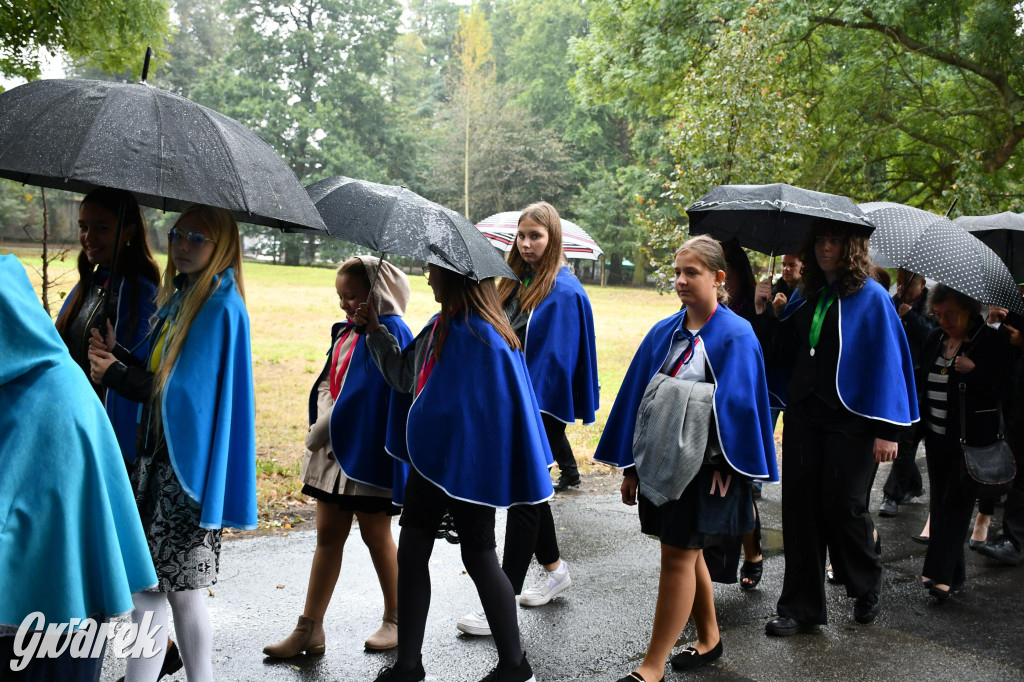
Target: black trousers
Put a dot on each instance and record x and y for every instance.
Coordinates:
(561, 450)
(827, 467)
(950, 507)
(904, 476)
(530, 528)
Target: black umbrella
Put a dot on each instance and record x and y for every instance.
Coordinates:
(170, 152)
(394, 219)
(771, 219)
(933, 246)
(1003, 233)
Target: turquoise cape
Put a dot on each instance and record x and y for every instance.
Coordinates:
(208, 410)
(71, 543)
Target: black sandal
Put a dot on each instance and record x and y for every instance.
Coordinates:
(752, 571)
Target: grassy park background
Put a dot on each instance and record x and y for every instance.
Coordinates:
(291, 310)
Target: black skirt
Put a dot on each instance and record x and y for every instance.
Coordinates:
(717, 504)
(367, 504)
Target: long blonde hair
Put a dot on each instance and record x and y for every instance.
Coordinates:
(551, 261)
(227, 253)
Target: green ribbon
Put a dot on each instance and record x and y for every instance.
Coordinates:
(825, 301)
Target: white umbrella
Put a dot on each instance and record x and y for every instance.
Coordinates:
(501, 229)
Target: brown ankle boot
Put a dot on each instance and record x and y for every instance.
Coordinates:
(386, 636)
(307, 636)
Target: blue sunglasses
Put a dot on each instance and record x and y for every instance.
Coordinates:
(196, 239)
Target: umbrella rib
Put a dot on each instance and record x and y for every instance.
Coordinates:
(70, 172)
(779, 204)
(208, 115)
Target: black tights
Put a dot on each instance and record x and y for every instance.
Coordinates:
(414, 548)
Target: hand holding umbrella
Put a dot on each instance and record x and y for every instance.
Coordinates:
(366, 317)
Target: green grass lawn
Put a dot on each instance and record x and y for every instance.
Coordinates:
(292, 310)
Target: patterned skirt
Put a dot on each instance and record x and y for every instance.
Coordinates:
(185, 555)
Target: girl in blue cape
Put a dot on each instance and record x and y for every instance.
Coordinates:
(474, 437)
(704, 343)
(346, 468)
(71, 545)
(552, 318)
(839, 362)
(132, 301)
(195, 471)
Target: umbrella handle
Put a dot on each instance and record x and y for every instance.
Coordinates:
(771, 270)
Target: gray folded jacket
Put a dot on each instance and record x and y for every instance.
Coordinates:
(671, 435)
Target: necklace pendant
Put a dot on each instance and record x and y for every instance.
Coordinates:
(944, 370)
(812, 352)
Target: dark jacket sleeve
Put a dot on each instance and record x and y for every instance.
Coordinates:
(131, 382)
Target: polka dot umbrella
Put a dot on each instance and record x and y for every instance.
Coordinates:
(933, 246)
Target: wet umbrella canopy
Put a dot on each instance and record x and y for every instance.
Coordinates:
(393, 219)
(168, 151)
(771, 219)
(933, 246)
(1003, 233)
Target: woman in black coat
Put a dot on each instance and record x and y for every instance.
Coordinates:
(963, 352)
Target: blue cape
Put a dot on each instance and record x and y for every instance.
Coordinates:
(71, 543)
(359, 420)
(208, 409)
(561, 354)
(742, 412)
(124, 413)
(475, 430)
(875, 373)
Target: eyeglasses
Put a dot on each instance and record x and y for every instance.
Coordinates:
(194, 239)
(948, 316)
(426, 270)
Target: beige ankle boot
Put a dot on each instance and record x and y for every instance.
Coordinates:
(386, 636)
(307, 636)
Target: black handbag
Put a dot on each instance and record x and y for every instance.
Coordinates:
(988, 471)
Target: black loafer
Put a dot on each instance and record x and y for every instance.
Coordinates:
(564, 484)
(1001, 550)
(867, 607)
(783, 626)
(690, 659)
(920, 539)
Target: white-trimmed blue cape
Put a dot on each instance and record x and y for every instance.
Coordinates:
(209, 412)
(71, 543)
(124, 413)
(742, 412)
(875, 373)
(475, 430)
(561, 353)
(359, 420)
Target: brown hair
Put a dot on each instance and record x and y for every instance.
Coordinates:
(710, 254)
(854, 265)
(134, 259)
(356, 268)
(227, 253)
(458, 293)
(551, 261)
(940, 293)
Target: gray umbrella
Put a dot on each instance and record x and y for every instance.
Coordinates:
(771, 218)
(393, 219)
(933, 246)
(168, 151)
(1003, 233)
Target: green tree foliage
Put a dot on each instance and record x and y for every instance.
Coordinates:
(732, 124)
(110, 35)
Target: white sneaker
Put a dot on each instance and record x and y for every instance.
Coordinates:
(474, 623)
(552, 584)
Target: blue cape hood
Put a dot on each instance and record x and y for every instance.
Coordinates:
(742, 412)
(875, 374)
(561, 353)
(359, 420)
(475, 430)
(71, 543)
(208, 409)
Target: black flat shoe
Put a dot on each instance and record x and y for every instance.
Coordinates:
(690, 659)
(636, 677)
(920, 539)
(782, 626)
(752, 571)
(563, 484)
(940, 595)
(973, 545)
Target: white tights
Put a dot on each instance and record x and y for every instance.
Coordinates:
(191, 626)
